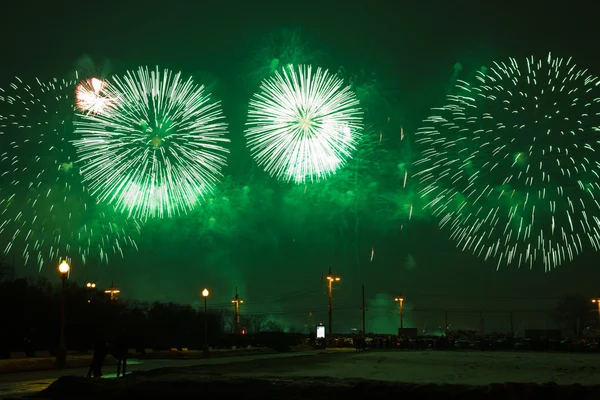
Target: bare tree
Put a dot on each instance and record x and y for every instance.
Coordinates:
(574, 314)
(227, 321)
(254, 322)
(260, 323)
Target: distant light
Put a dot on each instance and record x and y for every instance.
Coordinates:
(205, 293)
(64, 267)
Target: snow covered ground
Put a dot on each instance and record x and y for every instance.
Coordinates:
(27, 383)
(456, 367)
(373, 374)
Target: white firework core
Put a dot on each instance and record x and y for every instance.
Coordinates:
(303, 125)
(90, 96)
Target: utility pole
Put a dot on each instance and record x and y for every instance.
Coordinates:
(446, 322)
(331, 278)
(236, 316)
(363, 310)
(597, 301)
(481, 323)
(112, 291)
(400, 301)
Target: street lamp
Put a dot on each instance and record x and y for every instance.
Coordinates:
(400, 301)
(61, 354)
(236, 310)
(331, 279)
(597, 301)
(91, 286)
(111, 291)
(205, 294)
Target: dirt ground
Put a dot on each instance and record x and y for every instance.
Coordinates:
(382, 374)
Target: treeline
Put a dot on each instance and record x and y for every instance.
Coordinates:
(31, 310)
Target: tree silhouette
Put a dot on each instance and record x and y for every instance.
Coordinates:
(574, 315)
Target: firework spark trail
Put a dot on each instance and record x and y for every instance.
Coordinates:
(510, 165)
(45, 213)
(158, 150)
(303, 125)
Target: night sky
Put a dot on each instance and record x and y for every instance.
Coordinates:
(275, 253)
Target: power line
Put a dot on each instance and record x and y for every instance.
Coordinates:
(316, 293)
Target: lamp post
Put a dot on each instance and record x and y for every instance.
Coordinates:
(112, 291)
(400, 301)
(92, 287)
(61, 354)
(205, 294)
(597, 301)
(236, 312)
(331, 278)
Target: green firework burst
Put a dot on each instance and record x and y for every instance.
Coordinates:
(302, 126)
(158, 150)
(511, 164)
(46, 213)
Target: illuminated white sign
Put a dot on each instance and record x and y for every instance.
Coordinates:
(320, 332)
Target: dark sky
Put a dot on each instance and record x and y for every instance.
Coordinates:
(411, 45)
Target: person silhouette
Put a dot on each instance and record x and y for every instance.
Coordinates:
(120, 352)
(100, 351)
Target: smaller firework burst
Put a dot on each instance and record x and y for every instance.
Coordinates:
(91, 97)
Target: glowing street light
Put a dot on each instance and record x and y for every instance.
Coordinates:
(61, 354)
(112, 291)
(236, 304)
(597, 301)
(331, 279)
(400, 301)
(64, 268)
(91, 286)
(205, 294)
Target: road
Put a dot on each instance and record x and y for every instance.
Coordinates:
(26, 383)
